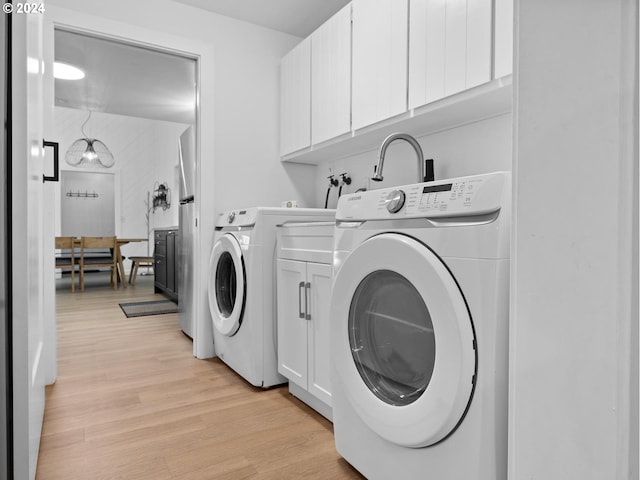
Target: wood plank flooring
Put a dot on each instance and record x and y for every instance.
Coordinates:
(131, 402)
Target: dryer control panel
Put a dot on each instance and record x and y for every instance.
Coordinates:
(237, 218)
(463, 196)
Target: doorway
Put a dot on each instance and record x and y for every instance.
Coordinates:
(137, 100)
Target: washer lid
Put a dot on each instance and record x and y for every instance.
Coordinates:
(227, 285)
(403, 342)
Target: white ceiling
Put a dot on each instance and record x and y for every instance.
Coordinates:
(126, 80)
(296, 17)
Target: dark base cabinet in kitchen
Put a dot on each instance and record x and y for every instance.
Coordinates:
(167, 246)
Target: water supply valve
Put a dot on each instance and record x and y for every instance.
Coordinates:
(333, 182)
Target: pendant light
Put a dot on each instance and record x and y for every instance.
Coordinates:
(89, 152)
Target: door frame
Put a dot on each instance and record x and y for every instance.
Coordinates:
(203, 54)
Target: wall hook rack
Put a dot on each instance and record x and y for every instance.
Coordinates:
(84, 194)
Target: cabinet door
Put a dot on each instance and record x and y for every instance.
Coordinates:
(171, 261)
(160, 258)
(331, 77)
(426, 51)
(379, 60)
(160, 270)
(503, 38)
(292, 324)
(295, 98)
(479, 42)
(449, 47)
(319, 295)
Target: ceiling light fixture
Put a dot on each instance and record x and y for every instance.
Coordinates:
(89, 152)
(64, 71)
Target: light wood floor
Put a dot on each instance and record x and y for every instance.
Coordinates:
(131, 402)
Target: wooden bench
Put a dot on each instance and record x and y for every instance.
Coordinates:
(97, 245)
(65, 258)
(137, 262)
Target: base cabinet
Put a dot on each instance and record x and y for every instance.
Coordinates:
(166, 248)
(304, 291)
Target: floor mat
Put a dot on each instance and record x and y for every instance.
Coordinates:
(153, 307)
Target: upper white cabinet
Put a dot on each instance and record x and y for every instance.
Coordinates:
(295, 98)
(503, 32)
(450, 47)
(381, 66)
(331, 77)
(379, 60)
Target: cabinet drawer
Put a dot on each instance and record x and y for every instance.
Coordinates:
(307, 242)
(160, 247)
(160, 269)
(160, 242)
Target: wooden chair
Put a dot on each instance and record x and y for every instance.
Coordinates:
(139, 262)
(66, 260)
(107, 256)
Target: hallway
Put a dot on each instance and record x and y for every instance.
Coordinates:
(131, 402)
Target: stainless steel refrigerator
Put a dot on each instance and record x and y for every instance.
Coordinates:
(187, 219)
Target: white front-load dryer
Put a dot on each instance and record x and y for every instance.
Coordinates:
(241, 288)
(419, 326)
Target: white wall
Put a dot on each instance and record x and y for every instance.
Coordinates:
(145, 152)
(573, 384)
(479, 147)
(246, 102)
(238, 114)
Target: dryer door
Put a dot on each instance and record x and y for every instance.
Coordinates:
(403, 343)
(227, 285)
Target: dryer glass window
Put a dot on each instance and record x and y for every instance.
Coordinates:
(226, 284)
(391, 337)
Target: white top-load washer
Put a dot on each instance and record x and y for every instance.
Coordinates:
(242, 288)
(419, 327)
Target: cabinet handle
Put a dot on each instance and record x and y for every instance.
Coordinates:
(307, 287)
(300, 311)
(56, 170)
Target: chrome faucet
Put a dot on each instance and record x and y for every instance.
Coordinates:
(383, 150)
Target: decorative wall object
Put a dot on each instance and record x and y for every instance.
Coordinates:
(161, 196)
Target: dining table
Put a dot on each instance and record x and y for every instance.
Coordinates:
(120, 241)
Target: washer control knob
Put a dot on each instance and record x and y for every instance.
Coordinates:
(231, 217)
(395, 201)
